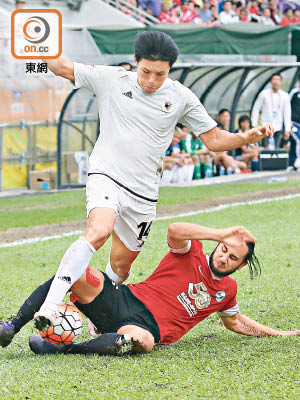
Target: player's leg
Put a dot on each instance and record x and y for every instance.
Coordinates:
(88, 286)
(130, 234)
(9, 328)
(121, 259)
(107, 310)
(138, 340)
(102, 203)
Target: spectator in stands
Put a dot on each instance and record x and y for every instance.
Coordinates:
(254, 9)
(165, 14)
(262, 4)
(214, 16)
(226, 16)
(249, 153)
(296, 16)
(188, 14)
(243, 15)
(274, 106)
(176, 13)
(20, 4)
(287, 18)
(152, 7)
(274, 12)
(266, 19)
(223, 159)
(224, 117)
(236, 6)
(200, 155)
(295, 132)
(179, 166)
(205, 13)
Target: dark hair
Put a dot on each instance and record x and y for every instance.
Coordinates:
(243, 118)
(154, 46)
(222, 111)
(287, 9)
(252, 261)
(276, 74)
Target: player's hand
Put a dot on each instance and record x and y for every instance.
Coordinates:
(258, 133)
(288, 333)
(240, 231)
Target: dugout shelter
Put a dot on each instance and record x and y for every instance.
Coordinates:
(219, 81)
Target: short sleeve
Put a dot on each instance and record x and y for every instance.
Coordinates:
(96, 78)
(229, 312)
(231, 307)
(195, 116)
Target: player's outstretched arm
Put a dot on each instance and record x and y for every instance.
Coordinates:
(241, 324)
(220, 140)
(61, 66)
(179, 233)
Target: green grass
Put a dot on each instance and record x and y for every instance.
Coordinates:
(207, 363)
(70, 206)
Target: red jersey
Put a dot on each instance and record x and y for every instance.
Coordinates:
(181, 292)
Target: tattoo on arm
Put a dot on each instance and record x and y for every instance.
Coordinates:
(251, 329)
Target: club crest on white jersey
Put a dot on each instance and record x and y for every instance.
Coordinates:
(166, 106)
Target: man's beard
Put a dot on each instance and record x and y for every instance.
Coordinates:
(216, 272)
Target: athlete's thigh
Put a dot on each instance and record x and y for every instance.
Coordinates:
(120, 254)
(102, 209)
(134, 222)
(88, 286)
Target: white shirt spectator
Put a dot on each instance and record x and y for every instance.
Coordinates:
(226, 18)
(265, 20)
(274, 108)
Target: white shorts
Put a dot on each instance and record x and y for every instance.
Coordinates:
(134, 217)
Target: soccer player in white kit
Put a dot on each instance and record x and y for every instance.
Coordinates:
(138, 113)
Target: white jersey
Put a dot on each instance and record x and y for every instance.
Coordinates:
(136, 128)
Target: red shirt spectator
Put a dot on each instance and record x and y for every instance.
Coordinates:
(296, 17)
(188, 14)
(253, 9)
(287, 17)
(165, 15)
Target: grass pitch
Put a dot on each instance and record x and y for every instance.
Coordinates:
(209, 362)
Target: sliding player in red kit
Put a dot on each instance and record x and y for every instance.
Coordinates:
(185, 288)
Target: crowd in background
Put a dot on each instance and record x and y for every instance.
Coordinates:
(188, 159)
(213, 12)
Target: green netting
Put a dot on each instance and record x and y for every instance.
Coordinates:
(229, 39)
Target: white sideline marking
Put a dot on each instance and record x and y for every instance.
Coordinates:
(207, 210)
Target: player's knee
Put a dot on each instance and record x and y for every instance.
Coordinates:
(147, 342)
(97, 235)
(88, 286)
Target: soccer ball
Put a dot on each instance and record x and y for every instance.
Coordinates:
(67, 327)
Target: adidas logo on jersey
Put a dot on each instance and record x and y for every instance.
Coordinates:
(128, 94)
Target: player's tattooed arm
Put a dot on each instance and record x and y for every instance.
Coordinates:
(241, 324)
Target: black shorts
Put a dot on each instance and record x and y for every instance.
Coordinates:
(116, 306)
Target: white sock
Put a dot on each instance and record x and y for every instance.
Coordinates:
(73, 264)
(113, 276)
